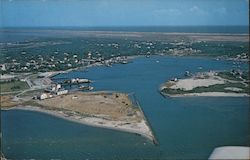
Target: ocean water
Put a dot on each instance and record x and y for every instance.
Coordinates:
(186, 128)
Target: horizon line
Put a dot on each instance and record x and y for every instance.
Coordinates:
(108, 26)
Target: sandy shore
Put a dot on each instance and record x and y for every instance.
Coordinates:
(186, 87)
(140, 128)
(101, 109)
(111, 110)
(230, 152)
(191, 83)
(211, 94)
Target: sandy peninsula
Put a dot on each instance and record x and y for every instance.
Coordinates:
(100, 109)
(209, 84)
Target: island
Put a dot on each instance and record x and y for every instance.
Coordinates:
(213, 83)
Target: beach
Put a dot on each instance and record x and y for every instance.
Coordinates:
(140, 128)
(207, 84)
(99, 109)
(212, 94)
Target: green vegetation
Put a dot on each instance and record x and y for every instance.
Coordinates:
(221, 88)
(229, 76)
(13, 86)
(32, 93)
(229, 49)
(212, 88)
(234, 75)
(53, 54)
(235, 82)
(245, 76)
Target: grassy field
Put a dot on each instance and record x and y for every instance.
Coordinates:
(13, 86)
(116, 106)
(6, 101)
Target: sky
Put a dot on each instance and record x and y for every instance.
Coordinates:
(94, 13)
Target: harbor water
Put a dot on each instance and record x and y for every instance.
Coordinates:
(186, 128)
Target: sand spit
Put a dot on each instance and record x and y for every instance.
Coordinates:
(189, 84)
(202, 84)
(139, 128)
(99, 109)
(211, 94)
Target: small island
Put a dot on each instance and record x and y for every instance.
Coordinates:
(212, 83)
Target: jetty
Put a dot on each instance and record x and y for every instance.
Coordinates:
(154, 139)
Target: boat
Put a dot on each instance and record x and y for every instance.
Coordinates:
(86, 88)
(124, 62)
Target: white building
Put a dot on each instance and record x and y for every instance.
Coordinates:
(58, 86)
(43, 96)
(2, 67)
(61, 92)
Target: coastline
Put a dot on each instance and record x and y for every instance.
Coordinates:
(55, 73)
(208, 94)
(207, 84)
(91, 121)
(131, 57)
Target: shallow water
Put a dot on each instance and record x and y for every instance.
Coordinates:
(186, 128)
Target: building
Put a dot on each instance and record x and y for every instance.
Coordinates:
(61, 92)
(58, 86)
(43, 96)
(2, 67)
(54, 88)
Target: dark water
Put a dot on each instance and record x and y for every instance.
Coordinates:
(186, 128)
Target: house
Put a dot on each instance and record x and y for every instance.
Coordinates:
(61, 92)
(43, 96)
(2, 67)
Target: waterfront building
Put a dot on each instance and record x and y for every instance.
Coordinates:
(61, 92)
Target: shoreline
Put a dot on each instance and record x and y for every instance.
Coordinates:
(89, 121)
(132, 57)
(55, 73)
(52, 73)
(207, 84)
(207, 94)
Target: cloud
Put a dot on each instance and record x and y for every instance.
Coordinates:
(171, 11)
(197, 10)
(194, 9)
(222, 10)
